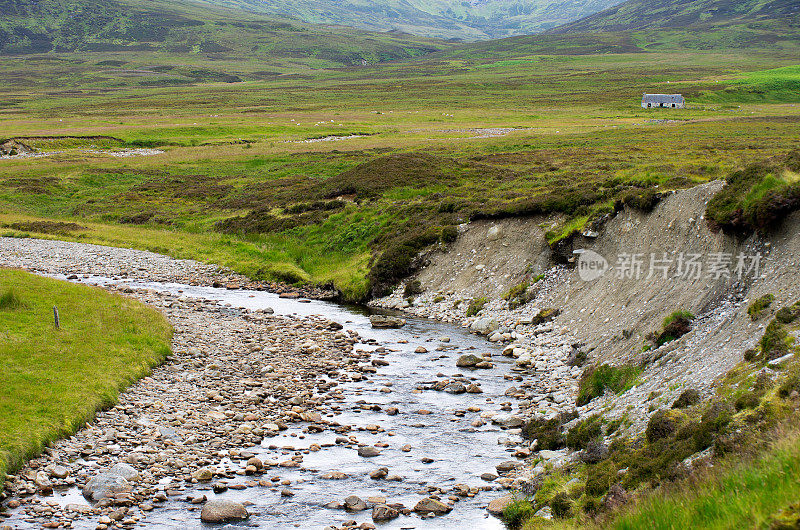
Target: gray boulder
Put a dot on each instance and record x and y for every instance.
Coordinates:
(468, 360)
(223, 512)
(354, 504)
(382, 512)
(105, 485)
(484, 325)
(455, 388)
(386, 321)
(125, 471)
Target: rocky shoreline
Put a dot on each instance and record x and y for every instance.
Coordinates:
(236, 379)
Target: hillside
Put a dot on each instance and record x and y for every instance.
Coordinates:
(191, 30)
(449, 19)
(639, 15)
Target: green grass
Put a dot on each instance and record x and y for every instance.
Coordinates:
(52, 381)
(776, 85)
(476, 306)
(738, 494)
(757, 307)
(596, 380)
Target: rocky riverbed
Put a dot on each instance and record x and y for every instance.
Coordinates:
(286, 412)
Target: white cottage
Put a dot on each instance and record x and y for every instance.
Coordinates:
(673, 101)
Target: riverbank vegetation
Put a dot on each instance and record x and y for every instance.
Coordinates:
(717, 463)
(54, 380)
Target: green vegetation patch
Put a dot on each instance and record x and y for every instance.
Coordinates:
(54, 380)
(588, 430)
(675, 326)
(740, 494)
(516, 513)
(757, 197)
(476, 305)
(761, 304)
(776, 85)
(596, 379)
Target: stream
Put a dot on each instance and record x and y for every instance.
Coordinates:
(460, 453)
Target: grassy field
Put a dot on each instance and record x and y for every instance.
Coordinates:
(53, 381)
(341, 175)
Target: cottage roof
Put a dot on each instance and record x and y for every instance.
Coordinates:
(662, 98)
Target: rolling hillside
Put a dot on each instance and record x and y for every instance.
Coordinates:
(177, 27)
(638, 15)
(448, 19)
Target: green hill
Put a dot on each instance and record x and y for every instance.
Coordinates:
(449, 19)
(188, 29)
(758, 16)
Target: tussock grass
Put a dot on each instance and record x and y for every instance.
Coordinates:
(52, 381)
(10, 301)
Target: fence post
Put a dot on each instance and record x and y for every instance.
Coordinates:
(55, 317)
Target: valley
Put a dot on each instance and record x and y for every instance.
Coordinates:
(214, 161)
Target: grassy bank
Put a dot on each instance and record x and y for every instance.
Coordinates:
(52, 381)
(743, 494)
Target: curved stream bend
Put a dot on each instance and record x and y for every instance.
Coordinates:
(439, 443)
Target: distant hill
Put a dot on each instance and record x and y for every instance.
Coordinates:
(639, 15)
(447, 19)
(187, 29)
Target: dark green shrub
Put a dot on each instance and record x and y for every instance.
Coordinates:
(592, 506)
(787, 315)
(548, 432)
(596, 380)
(675, 326)
(790, 384)
(600, 477)
(644, 201)
(476, 305)
(751, 355)
(663, 424)
(449, 234)
(757, 308)
(753, 199)
(775, 342)
(687, 398)
(712, 423)
(518, 295)
(584, 432)
(656, 461)
(562, 505)
(763, 382)
(516, 513)
(688, 430)
(413, 288)
(748, 400)
(516, 291)
(398, 261)
(613, 426)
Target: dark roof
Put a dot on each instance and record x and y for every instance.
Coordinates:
(662, 98)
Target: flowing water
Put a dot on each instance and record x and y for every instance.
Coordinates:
(460, 452)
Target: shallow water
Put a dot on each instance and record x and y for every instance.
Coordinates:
(460, 452)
